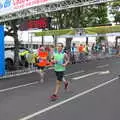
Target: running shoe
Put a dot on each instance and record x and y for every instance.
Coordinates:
(42, 81)
(54, 97)
(65, 85)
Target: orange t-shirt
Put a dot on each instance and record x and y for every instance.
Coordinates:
(43, 58)
(81, 48)
(43, 54)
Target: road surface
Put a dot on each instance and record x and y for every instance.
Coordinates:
(94, 94)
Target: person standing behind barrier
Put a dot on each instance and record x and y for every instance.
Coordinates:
(42, 62)
(73, 50)
(81, 53)
(31, 59)
(23, 55)
(93, 49)
(60, 61)
(86, 52)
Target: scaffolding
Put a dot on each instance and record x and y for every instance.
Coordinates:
(39, 9)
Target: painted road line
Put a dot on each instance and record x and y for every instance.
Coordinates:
(118, 62)
(19, 86)
(15, 75)
(102, 66)
(81, 71)
(32, 83)
(90, 74)
(86, 75)
(104, 72)
(30, 116)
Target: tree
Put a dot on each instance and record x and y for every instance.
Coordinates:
(115, 11)
(81, 17)
(99, 15)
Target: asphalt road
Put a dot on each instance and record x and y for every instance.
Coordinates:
(93, 94)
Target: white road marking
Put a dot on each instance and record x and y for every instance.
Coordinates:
(19, 86)
(90, 74)
(24, 85)
(104, 72)
(102, 66)
(81, 71)
(67, 100)
(17, 74)
(86, 75)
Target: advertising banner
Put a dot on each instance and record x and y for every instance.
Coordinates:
(2, 59)
(11, 6)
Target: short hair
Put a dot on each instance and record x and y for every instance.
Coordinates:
(61, 44)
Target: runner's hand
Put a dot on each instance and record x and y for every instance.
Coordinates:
(53, 61)
(64, 65)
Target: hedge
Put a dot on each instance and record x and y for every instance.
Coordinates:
(88, 30)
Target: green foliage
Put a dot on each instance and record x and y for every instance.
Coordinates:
(88, 30)
(102, 29)
(80, 17)
(115, 10)
(55, 32)
(98, 15)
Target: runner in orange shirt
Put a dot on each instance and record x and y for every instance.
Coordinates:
(42, 62)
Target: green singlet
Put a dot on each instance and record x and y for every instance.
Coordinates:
(59, 57)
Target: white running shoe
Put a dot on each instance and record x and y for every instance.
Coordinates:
(42, 81)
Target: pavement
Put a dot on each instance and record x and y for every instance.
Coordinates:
(93, 94)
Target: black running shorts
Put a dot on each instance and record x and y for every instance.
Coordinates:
(59, 75)
(41, 68)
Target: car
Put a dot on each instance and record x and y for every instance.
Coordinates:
(9, 57)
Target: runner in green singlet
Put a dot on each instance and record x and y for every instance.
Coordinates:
(60, 60)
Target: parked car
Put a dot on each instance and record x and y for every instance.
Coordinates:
(9, 57)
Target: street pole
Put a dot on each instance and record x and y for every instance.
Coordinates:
(42, 40)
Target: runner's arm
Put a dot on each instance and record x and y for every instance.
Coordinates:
(52, 60)
(66, 58)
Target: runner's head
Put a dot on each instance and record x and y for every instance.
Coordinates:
(42, 49)
(59, 47)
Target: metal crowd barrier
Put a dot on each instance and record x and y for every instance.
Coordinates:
(18, 73)
(22, 72)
